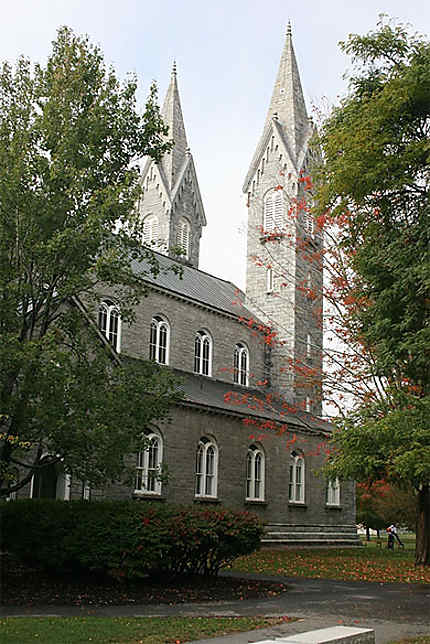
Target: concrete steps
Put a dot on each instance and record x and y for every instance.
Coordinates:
(312, 535)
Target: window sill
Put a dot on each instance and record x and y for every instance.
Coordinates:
(206, 499)
(147, 496)
(255, 502)
(328, 506)
(297, 504)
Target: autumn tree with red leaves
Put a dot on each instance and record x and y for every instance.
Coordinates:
(374, 183)
(369, 200)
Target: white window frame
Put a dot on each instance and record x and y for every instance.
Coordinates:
(203, 346)
(296, 483)
(255, 474)
(159, 340)
(86, 491)
(183, 237)
(206, 473)
(148, 466)
(241, 364)
(273, 211)
(150, 230)
(109, 323)
(333, 492)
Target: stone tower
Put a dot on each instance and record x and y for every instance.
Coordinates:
(171, 205)
(284, 274)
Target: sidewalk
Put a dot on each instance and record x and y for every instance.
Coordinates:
(394, 611)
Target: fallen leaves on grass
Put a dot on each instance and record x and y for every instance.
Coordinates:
(345, 565)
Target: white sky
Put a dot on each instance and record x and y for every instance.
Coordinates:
(227, 54)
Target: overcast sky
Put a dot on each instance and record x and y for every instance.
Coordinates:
(227, 54)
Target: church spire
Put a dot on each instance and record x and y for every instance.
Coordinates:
(288, 103)
(172, 115)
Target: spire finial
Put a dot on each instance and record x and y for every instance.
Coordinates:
(174, 68)
(289, 28)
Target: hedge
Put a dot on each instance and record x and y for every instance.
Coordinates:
(129, 539)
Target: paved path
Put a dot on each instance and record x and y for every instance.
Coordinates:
(394, 611)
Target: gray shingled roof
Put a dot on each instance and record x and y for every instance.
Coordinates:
(196, 285)
(244, 401)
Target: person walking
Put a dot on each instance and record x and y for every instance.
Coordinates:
(393, 530)
(390, 542)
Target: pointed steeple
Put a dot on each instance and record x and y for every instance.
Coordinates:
(171, 204)
(172, 114)
(288, 103)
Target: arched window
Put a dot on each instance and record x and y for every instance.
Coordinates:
(203, 353)
(183, 236)
(333, 492)
(148, 466)
(206, 468)
(150, 230)
(241, 364)
(159, 340)
(273, 211)
(110, 323)
(255, 474)
(269, 280)
(296, 487)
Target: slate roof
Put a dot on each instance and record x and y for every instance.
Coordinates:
(196, 285)
(246, 402)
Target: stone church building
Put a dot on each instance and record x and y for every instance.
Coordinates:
(248, 433)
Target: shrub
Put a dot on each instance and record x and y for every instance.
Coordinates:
(127, 538)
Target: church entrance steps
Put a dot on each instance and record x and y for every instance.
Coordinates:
(312, 535)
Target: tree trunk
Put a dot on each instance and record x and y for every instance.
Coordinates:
(367, 534)
(422, 547)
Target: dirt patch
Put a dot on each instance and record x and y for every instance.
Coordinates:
(24, 585)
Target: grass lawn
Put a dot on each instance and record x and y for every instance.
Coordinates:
(123, 630)
(370, 563)
(416, 640)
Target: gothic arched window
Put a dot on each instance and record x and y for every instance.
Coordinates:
(159, 340)
(148, 466)
(296, 486)
(273, 211)
(110, 323)
(241, 364)
(183, 236)
(203, 353)
(206, 468)
(255, 474)
(150, 230)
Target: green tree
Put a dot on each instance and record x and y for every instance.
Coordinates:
(70, 142)
(375, 181)
(379, 504)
